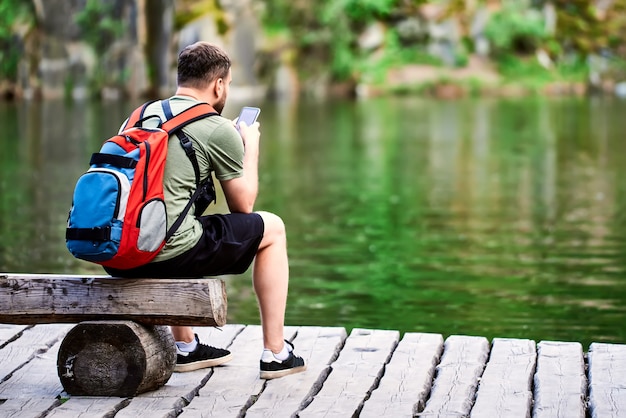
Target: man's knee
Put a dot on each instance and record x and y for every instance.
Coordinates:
(274, 227)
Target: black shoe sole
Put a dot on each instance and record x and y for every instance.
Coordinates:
(202, 364)
(280, 373)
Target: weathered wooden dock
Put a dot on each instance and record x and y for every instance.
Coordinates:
(368, 373)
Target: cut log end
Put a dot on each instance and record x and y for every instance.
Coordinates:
(115, 358)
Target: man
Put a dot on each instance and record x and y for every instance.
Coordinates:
(221, 244)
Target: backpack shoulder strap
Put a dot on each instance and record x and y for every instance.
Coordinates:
(137, 115)
(192, 114)
(173, 125)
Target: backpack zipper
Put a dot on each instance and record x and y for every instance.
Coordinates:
(116, 175)
(145, 174)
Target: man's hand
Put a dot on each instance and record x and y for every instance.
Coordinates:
(241, 192)
(249, 134)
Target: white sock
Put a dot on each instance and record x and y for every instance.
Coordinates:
(186, 347)
(283, 355)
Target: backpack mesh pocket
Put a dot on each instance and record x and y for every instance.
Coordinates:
(152, 224)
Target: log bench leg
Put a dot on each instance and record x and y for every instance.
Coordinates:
(115, 358)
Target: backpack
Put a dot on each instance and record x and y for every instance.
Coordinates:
(118, 217)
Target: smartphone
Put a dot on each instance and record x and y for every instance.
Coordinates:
(248, 115)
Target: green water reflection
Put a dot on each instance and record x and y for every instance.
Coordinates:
(480, 217)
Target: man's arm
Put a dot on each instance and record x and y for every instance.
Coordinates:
(241, 192)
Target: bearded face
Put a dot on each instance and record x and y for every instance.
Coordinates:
(222, 92)
(221, 102)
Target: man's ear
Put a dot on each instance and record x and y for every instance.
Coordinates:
(219, 87)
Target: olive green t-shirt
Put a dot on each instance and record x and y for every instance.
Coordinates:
(219, 149)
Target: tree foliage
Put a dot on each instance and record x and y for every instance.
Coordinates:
(587, 28)
(325, 34)
(327, 31)
(15, 16)
(515, 30)
(189, 10)
(98, 25)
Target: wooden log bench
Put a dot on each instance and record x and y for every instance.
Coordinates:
(122, 345)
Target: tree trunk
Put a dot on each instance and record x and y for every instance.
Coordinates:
(159, 28)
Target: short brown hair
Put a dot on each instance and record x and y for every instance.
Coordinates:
(201, 63)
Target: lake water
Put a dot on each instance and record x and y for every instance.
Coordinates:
(501, 218)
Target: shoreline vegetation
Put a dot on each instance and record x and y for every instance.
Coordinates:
(351, 48)
(445, 83)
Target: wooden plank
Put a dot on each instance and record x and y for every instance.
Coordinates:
(31, 387)
(87, 406)
(319, 347)
(27, 366)
(9, 332)
(37, 379)
(505, 388)
(607, 380)
(403, 389)
(31, 343)
(354, 375)
(233, 388)
(560, 381)
(38, 299)
(167, 401)
(27, 407)
(182, 387)
(454, 388)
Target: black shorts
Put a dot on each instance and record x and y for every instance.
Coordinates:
(227, 246)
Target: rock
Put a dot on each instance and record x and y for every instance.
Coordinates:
(620, 89)
(373, 37)
(411, 30)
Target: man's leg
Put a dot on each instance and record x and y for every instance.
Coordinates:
(184, 334)
(191, 354)
(270, 277)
